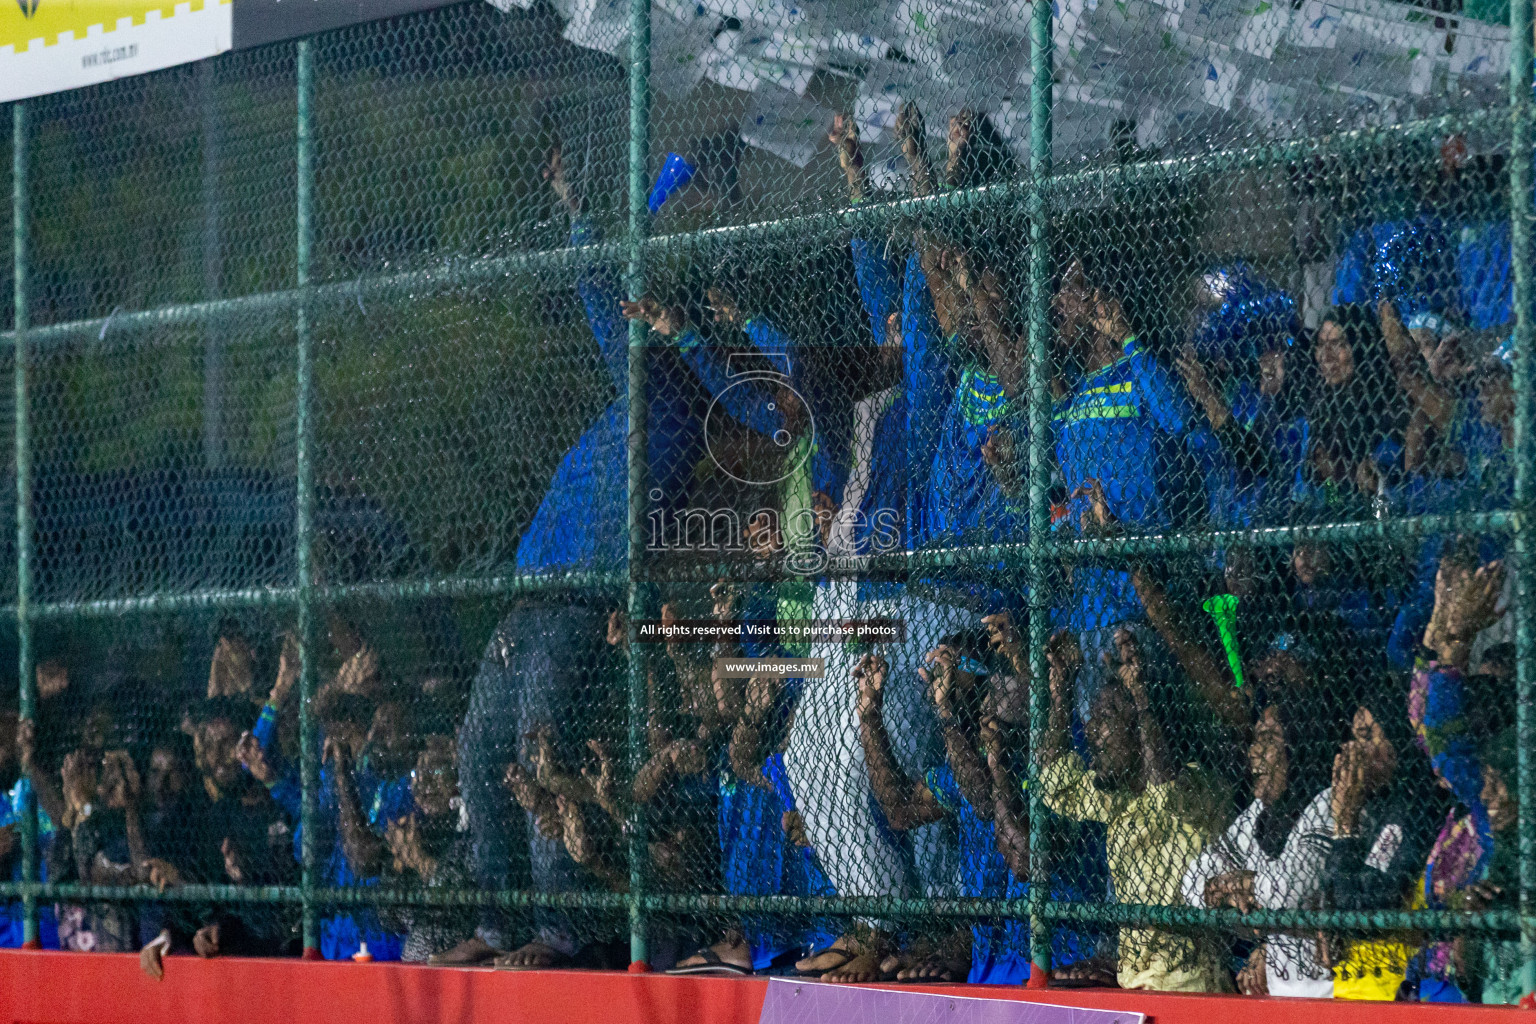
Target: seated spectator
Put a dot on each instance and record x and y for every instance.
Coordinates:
(101, 795)
(431, 847)
(979, 789)
(1357, 415)
(1272, 858)
(1382, 805)
(1159, 816)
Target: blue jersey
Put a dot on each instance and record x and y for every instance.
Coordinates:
(582, 523)
(12, 919)
(1484, 275)
(964, 499)
(1116, 427)
(928, 386)
(999, 954)
(382, 799)
(1240, 498)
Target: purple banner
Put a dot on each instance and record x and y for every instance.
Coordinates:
(809, 1002)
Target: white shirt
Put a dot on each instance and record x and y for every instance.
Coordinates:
(1291, 881)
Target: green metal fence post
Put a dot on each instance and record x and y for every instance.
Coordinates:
(21, 237)
(1040, 100)
(309, 767)
(1520, 211)
(639, 223)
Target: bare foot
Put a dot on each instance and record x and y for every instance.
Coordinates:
(862, 968)
(928, 968)
(473, 950)
(533, 956)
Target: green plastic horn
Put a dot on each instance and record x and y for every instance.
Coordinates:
(1223, 611)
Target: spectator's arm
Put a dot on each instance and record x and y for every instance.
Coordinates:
(1435, 401)
(600, 294)
(1010, 812)
(1065, 658)
(365, 851)
(746, 401)
(1211, 677)
(50, 798)
(1003, 344)
(970, 769)
(877, 285)
(948, 301)
(747, 753)
(906, 805)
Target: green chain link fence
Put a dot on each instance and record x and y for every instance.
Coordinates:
(297, 356)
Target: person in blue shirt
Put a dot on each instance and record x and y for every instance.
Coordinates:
(364, 785)
(1241, 369)
(1118, 429)
(16, 763)
(977, 786)
(538, 666)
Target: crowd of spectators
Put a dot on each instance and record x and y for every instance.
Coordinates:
(1312, 726)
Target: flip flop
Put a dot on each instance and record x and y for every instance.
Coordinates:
(847, 955)
(712, 965)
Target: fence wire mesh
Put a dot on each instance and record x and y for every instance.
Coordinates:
(605, 480)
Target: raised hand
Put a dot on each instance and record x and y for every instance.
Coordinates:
(230, 674)
(52, 679)
(1096, 518)
(845, 136)
(1230, 889)
(1200, 387)
(26, 743)
(944, 661)
(1064, 655)
(1003, 636)
(119, 779)
(618, 628)
(161, 874)
(663, 320)
(248, 751)
(1363, 765)
(727, 600)
(724, 306)
(870, 673)
(287, 671)
(1129, 666)
(794, 828)
(554, 173)
(762, 695)
(359, 674)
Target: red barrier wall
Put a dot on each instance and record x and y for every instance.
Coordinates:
(84, 988)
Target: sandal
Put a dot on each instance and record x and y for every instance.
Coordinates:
(848, 955)
(712, 965)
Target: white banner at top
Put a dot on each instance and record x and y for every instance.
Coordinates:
(52, 45)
